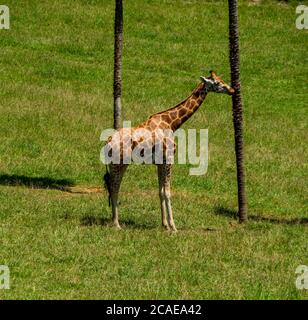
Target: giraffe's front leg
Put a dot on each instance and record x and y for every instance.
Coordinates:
(163, 209)
(169, 207)
(164, 174)
(162, 197)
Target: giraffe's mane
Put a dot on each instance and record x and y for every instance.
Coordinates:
(176, 106)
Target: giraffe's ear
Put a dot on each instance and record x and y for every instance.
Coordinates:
(213, 74)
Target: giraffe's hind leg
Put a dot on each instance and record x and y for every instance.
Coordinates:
(116, 174)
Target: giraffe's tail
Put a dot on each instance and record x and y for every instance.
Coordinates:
(107, 184)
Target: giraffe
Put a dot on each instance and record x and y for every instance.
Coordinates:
(170, 119)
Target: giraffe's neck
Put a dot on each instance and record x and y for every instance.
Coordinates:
(183, 111)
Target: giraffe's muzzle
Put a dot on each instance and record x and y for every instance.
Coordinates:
(231, 91)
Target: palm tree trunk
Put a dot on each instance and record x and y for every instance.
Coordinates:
(237, 108)
(118, 45)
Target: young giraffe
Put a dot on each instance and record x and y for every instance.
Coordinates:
(170, 119)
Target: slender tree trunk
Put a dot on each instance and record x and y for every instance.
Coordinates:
(237, 108)
(118, 45)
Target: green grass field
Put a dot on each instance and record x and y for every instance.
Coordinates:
(56, 98)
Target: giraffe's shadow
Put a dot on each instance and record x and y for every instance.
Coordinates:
(90, 220)
(126, 223)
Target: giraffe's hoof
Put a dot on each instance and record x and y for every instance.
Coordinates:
(117, 225)
(165, 226)
(174, 229)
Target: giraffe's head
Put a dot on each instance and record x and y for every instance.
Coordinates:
(216, 84)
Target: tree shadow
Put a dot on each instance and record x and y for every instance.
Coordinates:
(36, 182)
(89, 220)
(231, 213)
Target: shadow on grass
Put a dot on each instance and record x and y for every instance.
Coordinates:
(94, 221)
(231, 213)
(35, 182)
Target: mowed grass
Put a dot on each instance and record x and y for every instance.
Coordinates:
(56, 97)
